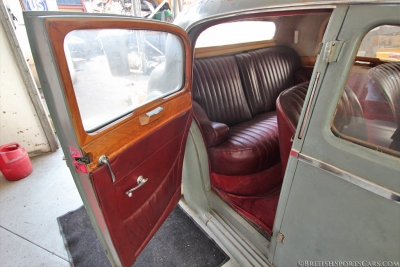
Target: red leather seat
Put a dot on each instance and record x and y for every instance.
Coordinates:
(348, 120)
(386, 79)
(235, 107)
(238, 144)
(288, 108)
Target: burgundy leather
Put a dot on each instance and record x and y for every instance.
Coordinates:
(258, 210)
(288, 109)
(132, 221)
(386, 78)
(218, 89)
(265, 74)
(349, 118)
(214, 133)
(347, 108)
(303, 75)
(252, 146)
(251, 184)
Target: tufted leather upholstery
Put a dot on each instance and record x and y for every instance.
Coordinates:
(251, 147)
(288, 108)
(218, 89)
(265, 74)
(386, 78)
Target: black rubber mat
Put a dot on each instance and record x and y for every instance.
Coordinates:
(179, 242)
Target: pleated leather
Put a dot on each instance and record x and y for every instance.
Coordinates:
(386, 78)
(265, 74)
(288, 108)
(252, 146)
(349, 117)
(218, 89)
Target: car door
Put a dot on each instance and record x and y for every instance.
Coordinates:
(341, 197)
(118, 91)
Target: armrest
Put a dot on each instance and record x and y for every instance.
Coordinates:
(214, 133)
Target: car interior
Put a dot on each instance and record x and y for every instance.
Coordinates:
(247, 101)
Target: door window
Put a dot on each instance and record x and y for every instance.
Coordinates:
(368, 112)
(112, 71)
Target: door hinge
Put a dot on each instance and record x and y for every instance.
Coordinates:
(332, 51)
(80, 161)
(280, 238)
(85, 159)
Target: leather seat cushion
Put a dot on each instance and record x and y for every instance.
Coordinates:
(252, 146)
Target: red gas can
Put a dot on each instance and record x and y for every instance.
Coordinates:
(14, 162)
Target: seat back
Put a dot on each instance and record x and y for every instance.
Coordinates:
(265, 74)
(218, 90)
(348, 120)
(386, 78)
(288, 109)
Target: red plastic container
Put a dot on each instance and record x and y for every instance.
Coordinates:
(14, 162)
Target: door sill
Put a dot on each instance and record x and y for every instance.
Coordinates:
(237, 246)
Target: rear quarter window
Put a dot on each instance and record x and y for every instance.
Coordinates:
(236, 32)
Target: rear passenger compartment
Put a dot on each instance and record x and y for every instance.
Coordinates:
(235, 107)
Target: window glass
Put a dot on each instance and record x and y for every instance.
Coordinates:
(368, 112)
(236, 32)
(111, 71)
(383, 42)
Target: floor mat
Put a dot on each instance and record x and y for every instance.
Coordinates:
(179, 242)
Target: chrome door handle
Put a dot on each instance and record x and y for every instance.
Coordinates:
(140, 181)
(154, 112)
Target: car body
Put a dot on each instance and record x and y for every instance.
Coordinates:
(334, 198)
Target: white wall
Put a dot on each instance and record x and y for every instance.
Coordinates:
(18, 118)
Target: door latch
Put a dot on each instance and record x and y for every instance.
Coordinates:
(104, 160)
(80, 161)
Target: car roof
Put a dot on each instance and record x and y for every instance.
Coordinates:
(204, 10)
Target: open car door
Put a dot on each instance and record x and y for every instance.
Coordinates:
(118, 91)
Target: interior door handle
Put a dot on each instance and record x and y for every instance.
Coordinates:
(140, 181)
(150, 116)
(104, 160)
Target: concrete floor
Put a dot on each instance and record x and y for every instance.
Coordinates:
(29, 233)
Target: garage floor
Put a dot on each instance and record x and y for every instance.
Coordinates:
(29, 233)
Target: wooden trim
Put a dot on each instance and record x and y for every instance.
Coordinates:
(369, 61)
(211, 51)
(308, 61)
(113, 138)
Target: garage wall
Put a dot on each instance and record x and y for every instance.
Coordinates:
(18, 119)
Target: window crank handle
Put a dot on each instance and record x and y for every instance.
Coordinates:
(140, 181)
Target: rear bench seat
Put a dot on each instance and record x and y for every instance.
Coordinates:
(234, 103)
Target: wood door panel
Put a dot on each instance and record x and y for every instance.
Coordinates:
(158, 157)
(131, 131)
(127, 130)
